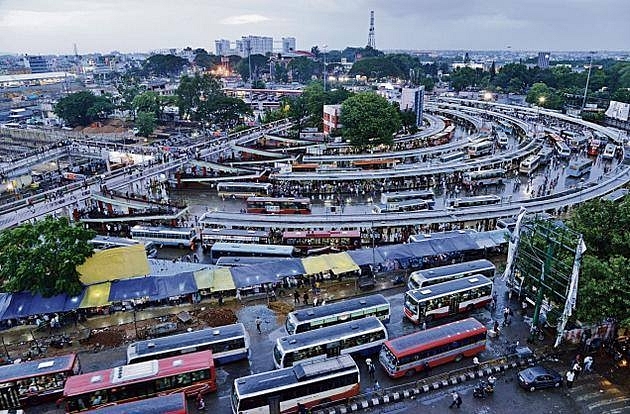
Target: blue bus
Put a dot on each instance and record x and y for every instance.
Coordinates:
(228, 343)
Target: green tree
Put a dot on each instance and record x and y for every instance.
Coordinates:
(193, 90)
(43, 257)
(544, 96)
(164, 65)
(260, 65)
(298, 111)
(83, 108)
(146, 122)
(604, 281)
(369, 120)
(205, 60)
(223, 110)
(128, 87)
(303, 69)
(408, 121)
(147, 102)
(621, 95)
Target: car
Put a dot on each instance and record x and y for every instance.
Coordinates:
(539, 377)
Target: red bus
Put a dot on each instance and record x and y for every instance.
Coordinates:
(33, 382)
(317, 241)
(406, 355)
(376, 164)
(189, 373)
(278, 205)
(166, 404)
(309, 167)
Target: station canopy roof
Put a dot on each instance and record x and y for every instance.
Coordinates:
(267, 272)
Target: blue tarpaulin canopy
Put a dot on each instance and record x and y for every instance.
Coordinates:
(25, 304)
(135, 288)
(268, 272)
(5, 301)
(175, 285)
(364, 257)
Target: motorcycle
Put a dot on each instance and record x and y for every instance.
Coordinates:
(483, 389)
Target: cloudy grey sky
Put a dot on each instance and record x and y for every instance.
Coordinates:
(53, 26)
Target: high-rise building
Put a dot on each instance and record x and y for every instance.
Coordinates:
(543, 60)
(222, 47)
(288, 44)
(412, 99)
(255, 45)
(38, 64)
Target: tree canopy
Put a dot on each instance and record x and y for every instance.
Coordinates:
(164, 65)
(259, 66)
(146, 123)
(303, 69)
(43, 257)
(603, 287)
(83, 108)
(369, 120)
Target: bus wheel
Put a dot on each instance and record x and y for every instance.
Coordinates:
(180, 246)
(459, 357)
(470, 308)
(410, 373)
(428, 318)
(325, 401)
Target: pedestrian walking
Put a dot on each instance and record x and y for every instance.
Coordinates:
(305, 298)
(588, 362)
(570, 376)
(296, 297)
(577, 369)
(201, 403)
(258, 323)
(457, 400)
(424, 326)
(370, 368)
(506, 315)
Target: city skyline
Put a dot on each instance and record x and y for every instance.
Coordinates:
(42, 27)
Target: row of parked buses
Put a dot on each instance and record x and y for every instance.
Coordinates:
(183, 365)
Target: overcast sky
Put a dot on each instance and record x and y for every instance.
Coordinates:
(53, 26)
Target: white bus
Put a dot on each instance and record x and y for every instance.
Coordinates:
(308, 383)
(484, 177)
(529, 164)
(398, 196)
(562, 149)
(167, 236)
(228, 343)
(578, 168)
(108, 242)
(243, 189)
(609, 151)
(447, 298)
(452, 156)
(502, 139)
(402, 207)
(473, 201)
(432, 276)
(360, 337)
(303, 320)
(220, 249)
(481, 148)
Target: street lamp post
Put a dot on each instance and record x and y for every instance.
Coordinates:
(325, 69)
(373, 255)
